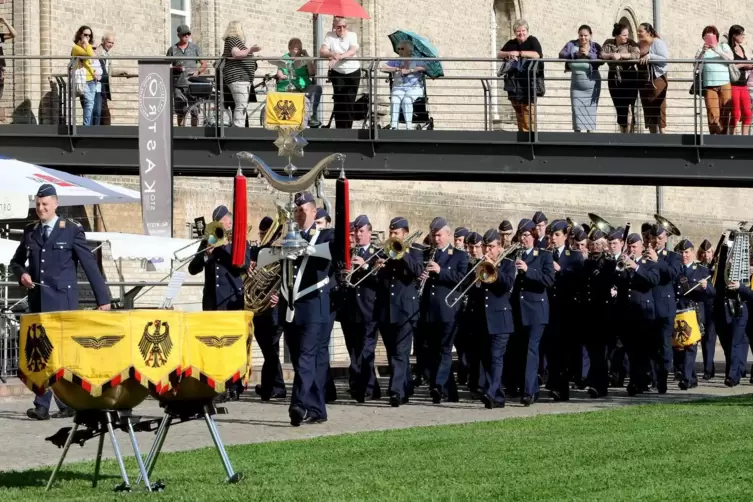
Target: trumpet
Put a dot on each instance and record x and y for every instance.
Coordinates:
(393, 248)
(484, 271)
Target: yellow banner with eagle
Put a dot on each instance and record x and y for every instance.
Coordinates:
(285, 109)
(87, 354)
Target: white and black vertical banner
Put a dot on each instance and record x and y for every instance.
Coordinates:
(156, 147)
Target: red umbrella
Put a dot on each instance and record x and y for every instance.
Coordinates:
(342, 8)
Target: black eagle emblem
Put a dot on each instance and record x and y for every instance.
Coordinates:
(38, 348)
(285, 109)
(682, 332)
(103, 342)
(155, 347)
(219, 341)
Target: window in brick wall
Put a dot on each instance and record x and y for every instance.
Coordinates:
(180, 13)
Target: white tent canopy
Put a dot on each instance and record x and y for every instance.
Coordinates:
(25, 179)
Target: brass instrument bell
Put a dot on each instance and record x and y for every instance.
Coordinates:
(600, 223)
(668, 225)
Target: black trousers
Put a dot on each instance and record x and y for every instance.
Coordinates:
(345, 90)
(624, 94)
(397, 340)
(267, 334)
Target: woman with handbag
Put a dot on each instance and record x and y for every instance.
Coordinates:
(522, 90)
(741, 106)
(652, 78)
(622, 76)
(715, 80)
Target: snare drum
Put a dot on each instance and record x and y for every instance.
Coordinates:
(686, 331)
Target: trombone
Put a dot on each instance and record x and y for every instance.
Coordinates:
(484, 271)
(215, 235)
(393, 247)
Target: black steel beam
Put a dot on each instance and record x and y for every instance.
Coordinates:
(682, 160)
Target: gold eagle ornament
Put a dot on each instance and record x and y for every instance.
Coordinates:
(155, 347)
(285, 109)
(219, 341)
(38, 348)
(103, 342)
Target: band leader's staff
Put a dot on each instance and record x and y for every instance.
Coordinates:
(52, 247)
(397, 311)
(490, 303)
(531, 305)
(443, 271)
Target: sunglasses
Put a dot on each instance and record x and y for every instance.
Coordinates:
(87, 35)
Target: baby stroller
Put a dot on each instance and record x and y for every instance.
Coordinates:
(422, 121)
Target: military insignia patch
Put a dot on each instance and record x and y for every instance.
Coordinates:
(567, 252)
(312, 231)
(38, 348)
(103, 342)
(155, 346)
(695, 266)
(219, 341)
(449, 251)
(62, 223)
(664, 253)
(535, 252)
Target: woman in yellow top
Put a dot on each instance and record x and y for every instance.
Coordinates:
(82, 48)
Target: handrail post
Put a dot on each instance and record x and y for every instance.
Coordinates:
(373, 98)
(485, 86)
(534, 116)
(220, 99)
(72, 96)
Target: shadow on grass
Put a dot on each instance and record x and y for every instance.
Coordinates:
(36, 478)
(745, 400)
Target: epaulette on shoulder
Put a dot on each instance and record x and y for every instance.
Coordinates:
(33, 225)
(74, 222)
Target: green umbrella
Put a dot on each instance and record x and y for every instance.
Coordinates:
(421, 48)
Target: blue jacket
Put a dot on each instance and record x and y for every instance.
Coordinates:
(599, 277)
(223, 283)
(313, 302)
(453, 265)
(53, 264)
(359, 300)
(635, 292)
(670, 267)
(565, 290)
(397, 296)
(490, 303)
(530, 291)
(689, 277)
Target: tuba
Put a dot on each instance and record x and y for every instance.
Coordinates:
(262, 283)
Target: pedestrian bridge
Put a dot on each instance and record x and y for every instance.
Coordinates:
(469, 130)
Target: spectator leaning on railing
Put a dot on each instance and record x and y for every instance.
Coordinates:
(622, 78)
(302, 80)
(101, 106)
(715, 80)
(184, 69)
(585, 82)
(652, 78)
(339, 46)
(85, 73)
(741, 103)
(4, 35)
(518, 53)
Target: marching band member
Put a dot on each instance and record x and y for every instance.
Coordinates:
(562, 300)
(506, 233)
(53, 247)
(420, 335)
(531, 307)
(578, 360)
(267, 332)
(305, 317)
(708, 340)
(599, 277)
(646, 234)
(466, 346)
(323, 219)
(635, 299)
(580, 242)
(490, 303)
(539, 233)
(361, 323)
(461, 233)
(731, 314)
(616, 349)
(397, 311)
(665, 304)
(445, 268)
(692, 274)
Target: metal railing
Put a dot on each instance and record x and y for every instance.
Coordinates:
(470, 97)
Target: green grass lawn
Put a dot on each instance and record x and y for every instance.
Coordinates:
(693, 451)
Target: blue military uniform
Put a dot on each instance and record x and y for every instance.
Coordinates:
(541, 242)
(223, 283)
(267, 332)
(731, 310)
(468, 345)
(439, 320)
(670, 267)
(578, 361)
(562, 302)
(494, 323)
(462, 342)
(708, 340)
(635, 316)
(53, 250)
(531, 308)
(690, 275)
(360, 323)
(304, 313)
(397, 313)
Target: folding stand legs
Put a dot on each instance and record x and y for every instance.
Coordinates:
(67, 446)
(159, 440)
(232, 477)
(98, 462)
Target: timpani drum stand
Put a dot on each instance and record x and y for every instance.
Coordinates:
(97, 423)
(186, 411)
